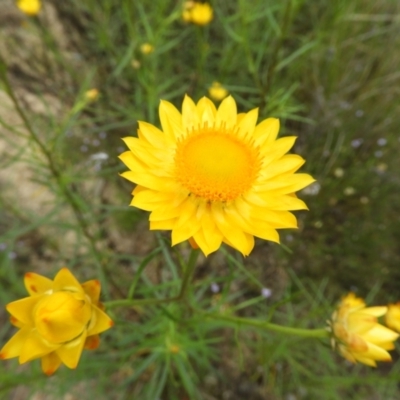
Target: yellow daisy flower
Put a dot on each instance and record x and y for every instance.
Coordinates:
(56, 322)
(29, 7)
(357, 334)
(214, 175)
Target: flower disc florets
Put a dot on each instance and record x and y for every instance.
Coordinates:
(213, 175)
(56, 322)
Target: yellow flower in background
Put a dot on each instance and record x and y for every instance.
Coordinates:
(92, 94)
(29, 7)
(213, 175)
(217, 91)
(197, 13)
(56, 322)
(146, 48)
(392, 317)
(357, 334)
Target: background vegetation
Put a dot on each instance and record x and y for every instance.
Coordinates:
(328, 69)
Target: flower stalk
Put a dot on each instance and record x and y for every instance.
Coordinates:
(310, 333)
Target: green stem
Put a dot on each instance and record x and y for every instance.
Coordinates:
(315, 333)
(188, 273)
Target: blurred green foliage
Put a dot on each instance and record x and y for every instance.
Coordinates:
(327, 69)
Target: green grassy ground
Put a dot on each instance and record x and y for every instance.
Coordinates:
(327, 69)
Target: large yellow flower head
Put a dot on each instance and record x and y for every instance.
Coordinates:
(56, 322)
(357, 334)
(29, 7)
(215, 175)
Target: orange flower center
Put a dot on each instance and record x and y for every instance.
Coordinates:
(62, 316)
(216, 165)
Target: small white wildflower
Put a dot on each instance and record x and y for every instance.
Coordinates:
(378, 154)
(356, 143)
(84, 148)
(215, 287)
(102, 135)
(381, 142)
(312, 190)
(99, 156)
(266, 292)
(338, 172)
(349, 191)
(3, 246)
(359, 113)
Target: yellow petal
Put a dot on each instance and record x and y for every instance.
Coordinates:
(375, 311)
(376, 353)
(171, 120)
(100, 322)
(208, 238)
(226, 113)
(288, 164)
(247, 124)
(190, 118)
(232, 234)
(92, 288)
(277, 149)
(206, 111)
(14, 346)
(266, 131)
(162, 225)
(365, 360)
(380, 334)
(22, 309)
(150, 181)
(50, 363)
(35, 347)
(64, 280)
(70, 353)
(183, 232)
(154, 136)
(37, 284)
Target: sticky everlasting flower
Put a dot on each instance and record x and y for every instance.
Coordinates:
(56, 322)
(29, 7)
(213, 176)
(197, 13)
(357, 334)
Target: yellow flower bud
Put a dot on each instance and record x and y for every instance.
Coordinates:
(62, 316)
(217, 91)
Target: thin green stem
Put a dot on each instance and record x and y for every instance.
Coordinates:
(313, 333)
(187, 275)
